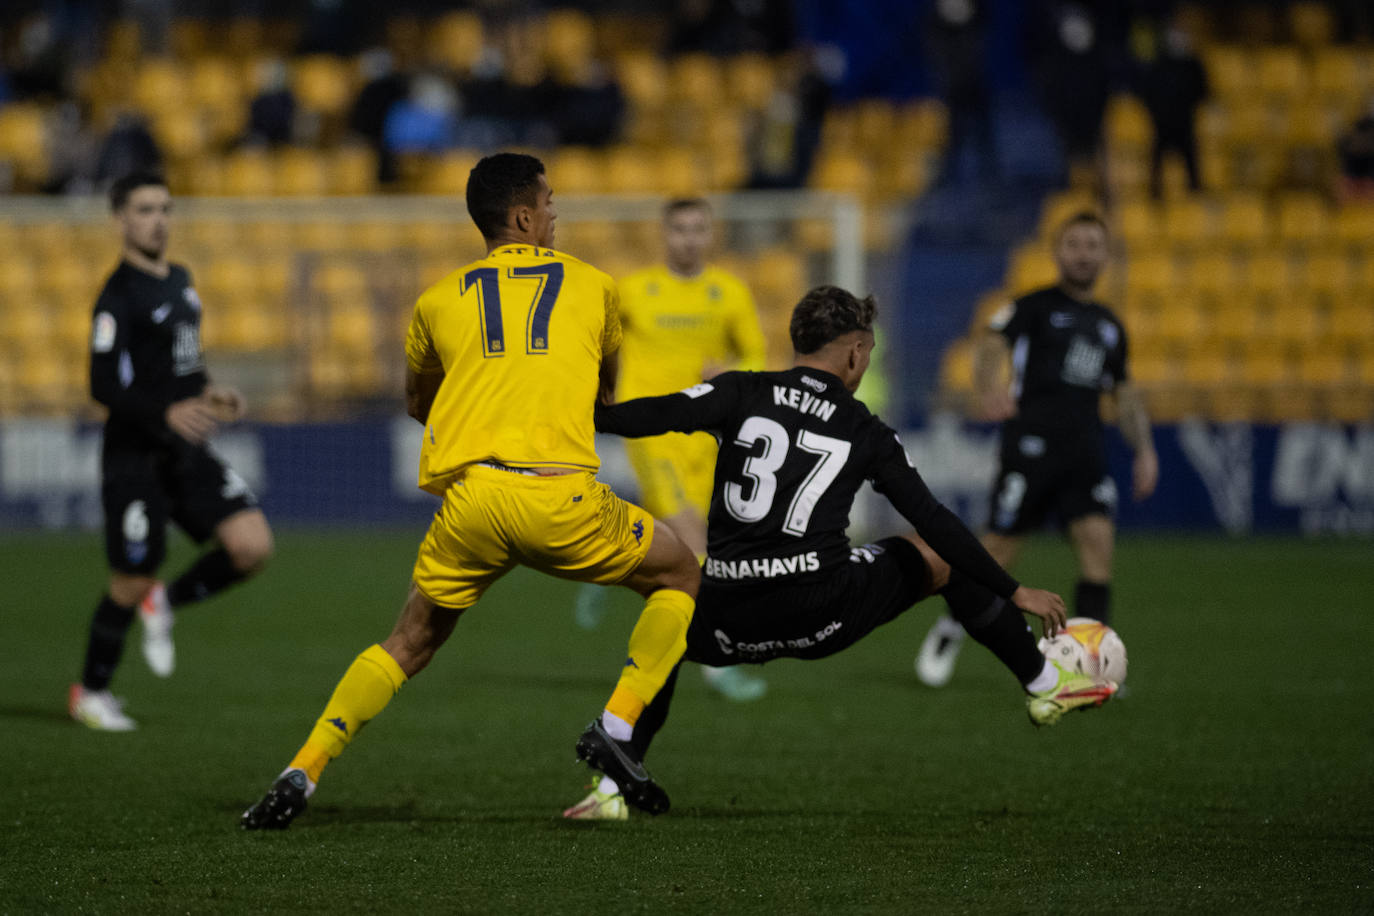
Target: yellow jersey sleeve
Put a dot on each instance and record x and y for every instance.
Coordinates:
(421, 356)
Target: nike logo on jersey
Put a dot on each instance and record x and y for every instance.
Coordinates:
(803, 401)
(161, 312)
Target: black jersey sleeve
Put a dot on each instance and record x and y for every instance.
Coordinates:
(703, 407)
(112, 382)
(894, 477)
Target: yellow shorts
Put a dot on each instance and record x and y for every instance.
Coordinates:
(491, 521)
(675, 471)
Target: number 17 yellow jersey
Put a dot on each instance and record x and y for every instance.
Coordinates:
(520, 336)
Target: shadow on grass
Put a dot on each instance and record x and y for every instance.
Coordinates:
(37, 713)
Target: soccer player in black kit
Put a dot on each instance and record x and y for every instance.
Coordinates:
(781, 579)
(1066, 350)
(147, 368)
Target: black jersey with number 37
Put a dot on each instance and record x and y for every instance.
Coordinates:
(795, 446)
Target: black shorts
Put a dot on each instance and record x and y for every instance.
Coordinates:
(736, 624)
(1042, 475)
(142, 488)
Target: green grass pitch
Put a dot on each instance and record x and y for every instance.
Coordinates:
(1238, 775)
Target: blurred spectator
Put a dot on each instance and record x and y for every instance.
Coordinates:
(426, 121)
(1356, 149)
(38, 63)
(1072, 67)
(957, 37)
(272, 112)
(590, 112)
(383, 88)
(129, 147)
(782, 141)
(1173, 85)
(726, 27)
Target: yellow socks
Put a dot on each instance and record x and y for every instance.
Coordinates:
(656, 645)
(367, 686)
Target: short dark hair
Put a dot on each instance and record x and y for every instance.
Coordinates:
(128, 184)
(678, 204)
(1082, 218)
(826, 313)
(497, 183)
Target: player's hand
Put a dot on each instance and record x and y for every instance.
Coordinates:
(996, 405)
(1048, 606)
(1144, 473)
(710, 371)
(192, 419)
(226, 403)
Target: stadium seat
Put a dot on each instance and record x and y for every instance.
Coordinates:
(1282, 74)
(1350, 403)
(843, 172)
(570, 43)
(353, 170)
(1311, 24)
(1205, 367)
(644, 78)
(1352, 323)
(1245, 220)
(1187, 222)
(23, 140)
(249, 173)
(301, 173)
(161, 84)
(1295, 319)
(323, 83)
(749, 79)
(1339, 75)
(1031, 267)
(1265, 363)
(1137, 224)
(1322, 365)
(456, 40)
(1353, 225)
(1128, 125)
(1303, 218)
(695, 80)
(956, 367)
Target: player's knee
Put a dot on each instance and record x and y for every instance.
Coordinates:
(250, 551)
(130, 590)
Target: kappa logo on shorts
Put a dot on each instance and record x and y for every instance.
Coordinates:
(339, 723)
(637, 529)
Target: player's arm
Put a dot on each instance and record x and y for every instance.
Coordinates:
(421, 389)
(609, 373)
(992, 400)
(424, 369)
(1134, 421)
(903, 486)
(704, 406)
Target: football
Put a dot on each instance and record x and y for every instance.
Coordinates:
(1089, 647)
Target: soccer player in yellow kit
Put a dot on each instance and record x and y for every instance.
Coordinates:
(685, 321)
(507, 357)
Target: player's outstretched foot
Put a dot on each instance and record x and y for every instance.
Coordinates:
(281, 805)
(599, 806)
(939, 652)
(1073, 691)
(735, 684)
(157, 618)
(98, 709)
(618, 760)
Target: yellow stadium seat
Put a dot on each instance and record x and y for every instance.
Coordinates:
(1339, 74)
(352, 329)
(749, 79)
(1323, 365)
(1247, 123)
(644, 78)
(578, 170)
(321, 235)
(1128, 124)
(1310, 124)
(188, 38)
(1353, 224)
(1137, 224)
(249, 173)
(843, 172)
(1214, 276)
(162, 83)
(922, 125)
(1281, 73)
(956, 366)
(1364, 365)
(1303, 218)
(1267, 274)
(779, 273)
(1352, 324)
(323, 83)
(1351, 403)
(1296, 320)
(270, 235)
(255, 325)
(1232, 404)
(1031, 267)
(448, 174)
(1205, 367)
(353, 170)
(180, 132)
(1245, 220)
(302, 173)
(23, 140)
(230, 275)
(1188, 222)
(1239, 322)
(1152, 271)
(629, 170)
(1329, 273)
(18, 279)
(696, 80)
(1311, 23)
(571, 42)
(214, 83)
(876, 123)
(456, 40)
(1230, 71)
(1180, 320)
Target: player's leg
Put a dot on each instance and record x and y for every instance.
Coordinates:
(135, 544)
(1001, 626)
(1012, 513)
(460, 557)
(1093, 537)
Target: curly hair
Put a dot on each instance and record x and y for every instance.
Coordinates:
(828, 312)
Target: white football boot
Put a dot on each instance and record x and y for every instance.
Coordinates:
(156, 614)
(98, 709)
(939, 652)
